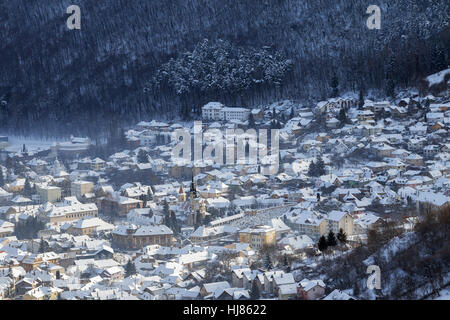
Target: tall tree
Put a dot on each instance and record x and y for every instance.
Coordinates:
(27, 190)
(342, 236)
(130, 268)
(334, 85)
(320, 167)
(331, 239)
(361, 99)
(251, 121)
(322, 245)
(142, 156)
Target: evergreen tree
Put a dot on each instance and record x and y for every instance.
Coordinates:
(254, 293)
(174, 222)
(27, 190)
(322, 244)
(166, 213)
(267, 262)
(144, 200)
(251, 121)
(292, 115)
(43, 246)
(130, 269)
(286, 263)
(2, 179)
(361, 99)
(342, 236)
(142, 156)
(331, 239)
(312, 170)
(122, 138)
(320, 167)
(390, 88)
(342, 117)
(335, 85)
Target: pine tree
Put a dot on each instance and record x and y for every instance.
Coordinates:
(292, 114)
(251, 121)
(254, 293)
(342, 236)
(322, 244)
(2, 179)
(335, 85)
(174, 222)
(166, 213)
(27, 190)
(43, 246)
(342, 117)
(267, 262)
(130, 269)
(142, 156)
(312, 170)
(361, 99)
(331, 239)
(320, 167)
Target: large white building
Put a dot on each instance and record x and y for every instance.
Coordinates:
(217, 111)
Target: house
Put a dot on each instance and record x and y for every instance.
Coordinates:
(283, 279)
(337, 294)
(133, 237)
(210, 288)
(281, 229)
(311, 289)
(269, 285)
(6, 229)
(117, 204)
(296, 243)
(42, 293)
(287, 291)
(337, 220)
(89, 226)
(70, 210)
(414, 160)
(113, 273)
(309, 223)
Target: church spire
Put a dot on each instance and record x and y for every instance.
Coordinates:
(193, 190)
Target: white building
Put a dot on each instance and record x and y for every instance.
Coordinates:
(217, 111)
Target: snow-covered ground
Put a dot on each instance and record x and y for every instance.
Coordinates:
(444, 294)
(31, 144)
(437, 77)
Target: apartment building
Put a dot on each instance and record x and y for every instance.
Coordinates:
(258, 236)
(50, 194)
(80, 188)
(217, 111)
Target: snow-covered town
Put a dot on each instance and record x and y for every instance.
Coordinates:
(80, 221)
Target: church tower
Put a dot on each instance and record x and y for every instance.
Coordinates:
(181, 194)
(198, 208)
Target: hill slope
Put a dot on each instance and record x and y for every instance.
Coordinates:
(53, 79)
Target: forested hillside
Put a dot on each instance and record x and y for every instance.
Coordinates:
(58, 81)
(414, 264)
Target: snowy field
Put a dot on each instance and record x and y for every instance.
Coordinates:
(31, 144)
